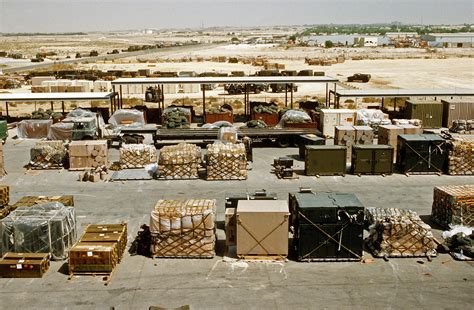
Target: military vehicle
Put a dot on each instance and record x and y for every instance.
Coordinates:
(236, 89)
(359, 78)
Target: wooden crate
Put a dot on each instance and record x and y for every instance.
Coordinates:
(4, 195)
(107, 237)
(93, 257)
(24, 265)
(216, 117)
(28, 201)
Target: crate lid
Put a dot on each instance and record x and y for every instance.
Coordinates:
(319, 200)
(326, 147)
(262, 206)
(372, 146)
(421, 137)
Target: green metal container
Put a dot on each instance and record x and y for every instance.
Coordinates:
(310, 139)
(325, 160)
(429, 112)
(372, 159)
(3, 130)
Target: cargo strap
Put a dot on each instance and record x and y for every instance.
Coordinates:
(428, 161)
(259, 242)
(329, 238)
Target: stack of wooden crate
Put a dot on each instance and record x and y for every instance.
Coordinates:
(453, 205)
(87, 155)
(399, 233)
(183, 228)
(364, 135)
(137, 155)
(180, 161)
(461, 157)
(345, 135)
(99, 250)
(48, 155)
(226, 161)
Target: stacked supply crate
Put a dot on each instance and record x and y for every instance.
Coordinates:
(90, 154)
(180, 161)
(399, 233)
(345, 135)
(453, 205)
(364, 135)
(325, 160)
(226, 161)
(137, 155)
(327, 226)
(262, 229)
(461, 157)
(24, 265)
(99, 250)
(48, 155)
(421, 154)
(183, 228)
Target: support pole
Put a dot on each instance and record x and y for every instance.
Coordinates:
(382, 103)
(52, 106)
(327, 88)
(286, 95)
(335, 96)
(6, 108)
(121, 97)
(203, 102)
(291, 94)
(162, 97)
(62, 106)
(115, 101)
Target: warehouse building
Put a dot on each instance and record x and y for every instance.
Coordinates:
(449, 39)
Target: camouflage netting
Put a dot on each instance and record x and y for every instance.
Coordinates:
(43, 228)
(176, 118)
(268, 109)
(48, 154)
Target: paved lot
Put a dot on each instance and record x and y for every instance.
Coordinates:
(215, 284)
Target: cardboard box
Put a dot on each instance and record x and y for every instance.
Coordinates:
(262, 228)
(230, 227)
(88, 154)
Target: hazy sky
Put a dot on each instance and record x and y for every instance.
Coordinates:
(90, 15)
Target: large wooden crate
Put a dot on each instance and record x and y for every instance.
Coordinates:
(93, 257)
(28, 201)
(24, 265)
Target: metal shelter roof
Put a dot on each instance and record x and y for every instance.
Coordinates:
(403, 92)
(56, 96)
(227, 79)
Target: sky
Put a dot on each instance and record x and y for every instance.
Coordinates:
(107, 15)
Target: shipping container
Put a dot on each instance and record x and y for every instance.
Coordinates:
(425, 153)
(308, 139)
(429, 112)
(325, 160)
(372, 159)
(330, 118)
(456, 111)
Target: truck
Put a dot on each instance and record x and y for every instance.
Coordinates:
(236, 89)
(359, 78)
(278, 87)
(153, 94)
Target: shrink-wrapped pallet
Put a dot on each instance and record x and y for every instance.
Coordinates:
(48, 155)
(137, 155)
(461, 157)
(45, 228)
(179, 161)
(226, 161)
(227, 134)
(399, 233)
(453, 205)
(183, 228)
(33, 128)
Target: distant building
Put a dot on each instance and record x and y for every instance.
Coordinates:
(462, 39)
(401, 35)
(366, 41)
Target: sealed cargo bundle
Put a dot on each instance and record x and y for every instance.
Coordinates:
(107, 233)
(175, 117)
(180, 161)
(93, 258)
(453, 205)
(461, 157)
(4, 195)
(24, 265)
(183, 228)
(226, 161)
(44, 228)
(48, 155)
(29, 201)
(87, 154)
(137, 155)
(227, 134)
(399, 233)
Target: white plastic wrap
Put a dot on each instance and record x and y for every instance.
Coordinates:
(369, 116)
(294, 116)
(33, 128)
(61, 131)
(455, 230)
(228, 134)
(219, 124)
(129, 117)
(414, 122)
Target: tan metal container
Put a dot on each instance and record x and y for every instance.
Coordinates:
(456, 111)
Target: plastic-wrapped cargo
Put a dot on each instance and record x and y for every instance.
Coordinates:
(129, 117)
(179, 161)
(226, 161)
(61, 131)
(176, 117)
(137, 155)
(48, 155)
(453, 205)
(183, 228)
(399, 233)
(33, 128)
(44, 228)
(228, 134)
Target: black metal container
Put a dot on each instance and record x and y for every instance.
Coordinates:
(422, 154)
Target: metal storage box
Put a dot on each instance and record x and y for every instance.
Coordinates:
(426, 153)
(456, 111)
(24, 265)
(330, 118)
(372, 159)
(309, 139)
(325, 160)
(429, 112)
(232, 199)
(327, 226)
(262, 228)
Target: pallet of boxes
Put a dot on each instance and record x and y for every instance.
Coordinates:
(183, 228)
(133, 156)
(226, 158)
(99, 250)
(257, 229)
(90, 156)
(48, 155)
(181, 161)
(461, 157)
(399, 233)
(4, 200)
(453, 205)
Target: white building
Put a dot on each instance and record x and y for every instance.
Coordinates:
(461, 39)
(366, 41)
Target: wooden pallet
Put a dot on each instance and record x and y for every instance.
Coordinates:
(347, 259)
(106, 276)
(378, 254)
(263, 258)
(30, 167)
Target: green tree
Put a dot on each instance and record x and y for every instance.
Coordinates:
(328, 44)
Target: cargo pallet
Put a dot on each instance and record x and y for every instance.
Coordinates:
(379, 254)
(265, 258)
(30, 167)
(106, 276)
(346, 259)
(183, 256)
